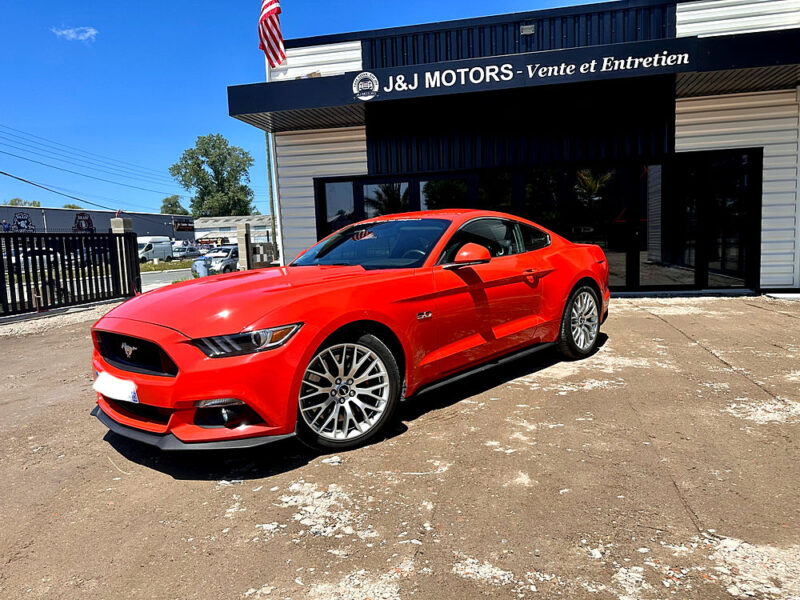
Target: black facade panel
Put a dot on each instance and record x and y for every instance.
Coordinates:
(576, 122)
(553, 30)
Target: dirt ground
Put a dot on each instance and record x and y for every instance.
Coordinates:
(664, 466)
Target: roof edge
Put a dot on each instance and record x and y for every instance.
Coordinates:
(472, 21)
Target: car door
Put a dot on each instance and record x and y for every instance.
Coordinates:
(485, 309)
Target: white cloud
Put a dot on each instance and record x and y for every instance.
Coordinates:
(81, 34)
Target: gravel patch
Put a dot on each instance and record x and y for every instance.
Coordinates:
(777, 410)
(41, 324)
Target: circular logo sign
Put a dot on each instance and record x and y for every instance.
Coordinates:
(365, 86)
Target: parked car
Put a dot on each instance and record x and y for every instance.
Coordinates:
(326, 347)
(180, 252)
(36, 259)
(154, 246)
(223, 259)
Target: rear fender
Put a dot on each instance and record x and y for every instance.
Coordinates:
(576, 263)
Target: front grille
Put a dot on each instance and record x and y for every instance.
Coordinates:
(145, 357)
(142, 412)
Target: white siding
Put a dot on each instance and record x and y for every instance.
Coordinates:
(327, 59)
(770, 120)
(725, 17)
(299, 158)
(654, 213)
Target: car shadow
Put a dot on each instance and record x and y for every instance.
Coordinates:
(483, 381)
(288, 455)
(214, 465)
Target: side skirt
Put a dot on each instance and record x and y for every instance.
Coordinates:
(496, 362)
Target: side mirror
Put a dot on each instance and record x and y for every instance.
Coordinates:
(472, 254)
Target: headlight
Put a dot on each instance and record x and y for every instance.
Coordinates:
(248, 342)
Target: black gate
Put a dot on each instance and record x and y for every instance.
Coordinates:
(40, 271)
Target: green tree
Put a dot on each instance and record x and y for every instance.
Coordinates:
(445, 193)
(387, 198)
(21, 202)
(589, 184)
(72, 206)
(171, 205)
(217, 173)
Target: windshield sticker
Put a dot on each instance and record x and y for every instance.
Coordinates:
(364, 234)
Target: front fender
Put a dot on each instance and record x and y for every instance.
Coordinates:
(323, 333)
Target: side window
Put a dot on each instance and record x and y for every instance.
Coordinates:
(497, 235)
(533, 238)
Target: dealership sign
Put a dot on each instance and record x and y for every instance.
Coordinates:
(521, 70)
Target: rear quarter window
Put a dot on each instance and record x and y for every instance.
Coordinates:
(533, 238)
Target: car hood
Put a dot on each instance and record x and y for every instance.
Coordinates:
(228, 303)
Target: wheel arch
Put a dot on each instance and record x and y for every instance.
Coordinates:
(591, 282)
(584, 278)
(380, 330)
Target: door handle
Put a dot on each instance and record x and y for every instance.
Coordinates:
(537, 273)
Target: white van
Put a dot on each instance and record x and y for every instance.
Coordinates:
(154, 246)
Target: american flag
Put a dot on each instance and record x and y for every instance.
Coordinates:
(269, 32)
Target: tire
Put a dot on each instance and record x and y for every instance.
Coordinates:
(339, 416)
(580, 324)
(227, 270)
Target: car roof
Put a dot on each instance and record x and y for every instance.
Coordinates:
(453, 214)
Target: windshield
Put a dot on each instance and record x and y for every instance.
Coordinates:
(220, 253)
(141, 247)
(397, 244)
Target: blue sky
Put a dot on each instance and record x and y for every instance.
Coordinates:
(136, 83)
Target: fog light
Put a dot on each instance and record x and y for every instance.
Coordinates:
(218, 403)
(224, 412)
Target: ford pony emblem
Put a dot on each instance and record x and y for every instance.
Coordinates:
(128, 349)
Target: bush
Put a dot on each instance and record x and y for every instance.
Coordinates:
(166, 266)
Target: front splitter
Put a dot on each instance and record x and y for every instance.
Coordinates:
(169, 442)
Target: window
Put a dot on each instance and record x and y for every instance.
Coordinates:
(339, 204)
(495, 190)
(385, 199)
(393, 244)
(533, 238)
(443, 193)
(497, 235)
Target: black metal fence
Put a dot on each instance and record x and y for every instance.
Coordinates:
(40, 271)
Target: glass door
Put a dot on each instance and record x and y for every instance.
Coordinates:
(731, 213)
(702, 215)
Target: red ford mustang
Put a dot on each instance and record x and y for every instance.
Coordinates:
(326, 347)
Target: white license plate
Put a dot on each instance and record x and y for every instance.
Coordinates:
(115, 388)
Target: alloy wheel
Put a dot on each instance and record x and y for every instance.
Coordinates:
(584, 320)
(344, 392)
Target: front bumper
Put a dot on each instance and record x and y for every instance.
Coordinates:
(168, 441)
(165, 414)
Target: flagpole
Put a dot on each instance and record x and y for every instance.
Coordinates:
(272, 186)
(271, 42)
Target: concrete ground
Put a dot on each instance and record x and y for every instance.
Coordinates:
(155, 279)
(664, 466)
